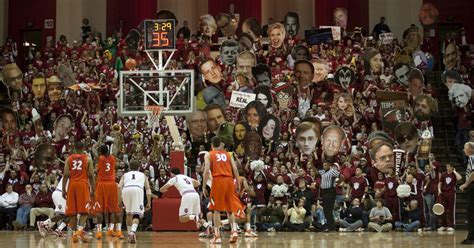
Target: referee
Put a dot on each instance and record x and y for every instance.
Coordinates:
(469, 185)
(328, 193)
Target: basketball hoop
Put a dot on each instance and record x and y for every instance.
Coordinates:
(153, 113)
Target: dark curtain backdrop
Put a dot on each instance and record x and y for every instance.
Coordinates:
(358, 13)
(130, 12)
(245, 8)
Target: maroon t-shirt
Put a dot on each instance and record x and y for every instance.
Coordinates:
(392, 184)
(260, 189)
(358, 185)
(448, 183)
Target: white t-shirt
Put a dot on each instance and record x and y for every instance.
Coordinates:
(134, 178)
(182, 183)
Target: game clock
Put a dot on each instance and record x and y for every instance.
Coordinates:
(159, 34)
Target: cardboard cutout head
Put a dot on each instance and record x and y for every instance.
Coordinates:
(412, 38)
(383, 156)
(38, 86)
(307, 136)
(229, 51)
(332, 139)
(246, 42)
(292, 23)
(207, 25)
(300, 52)
(212, 95)
(215, 117)
(66, 75)
(321, 70)
(344, 76)
(9, 120)
(263, 94)
(276, 33)
(55, 88)
(284, 94)
(253, 113)
(62, 127)
(211, 71)
(44, 156)
(252, 27)
(252, 145)
(340, 17)
(227, 25)
(262, 74)
(304, 73)
(402, 72)
(428, 14)
(245, 62)
(269, 128)
(451, 77)
(451, 56)
(12, 77)
(406, 135)
(416, 82)
(425, 106)
(460, 95)
(197, 124)
(373, 61)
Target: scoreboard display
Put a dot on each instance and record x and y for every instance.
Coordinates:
(159, 34)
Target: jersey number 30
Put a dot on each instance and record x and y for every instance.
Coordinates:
(77, 164)
(221, 157)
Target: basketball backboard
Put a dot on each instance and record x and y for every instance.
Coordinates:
(172, 89)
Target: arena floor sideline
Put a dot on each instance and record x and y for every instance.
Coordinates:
(281, 239)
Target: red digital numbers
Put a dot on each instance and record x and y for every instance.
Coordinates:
(160, 39)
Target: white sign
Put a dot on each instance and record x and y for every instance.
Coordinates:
(336, 31)
(241, 99)
(386, 38)
(48, 24)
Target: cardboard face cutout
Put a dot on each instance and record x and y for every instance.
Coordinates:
(44, 156)
(252, 27)
(332, 139)
(321, 70)
(55, 88)
(460, 95)
(373, 61)
(132, 40)
(262, 74)
(197, 124)
(246, 42)
(229, 51)
(269, 128)
(292, 23)
(284, 94)
(344, 76)
(276, 33)
(412, 38)
(207, 25)
(428, 14)
(451, 56)
(424, 108)
(8, 117)
(211, 71)
(253, 113)
(12, 77)
(245, 61)
(384, 158)
(38, 86)
(227, 25)
(402, 71)
(451, 77)
(252, 145)
(62, 127)
(66, 75)
(240, 130)
(340, 17)
(212, 95)
(416, 82)
(307, 137)
(406, 135)
(263, 95)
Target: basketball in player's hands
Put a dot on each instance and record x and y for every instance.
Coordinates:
(130, 64)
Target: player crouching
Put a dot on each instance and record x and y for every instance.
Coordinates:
(131, 184)
(190, 207)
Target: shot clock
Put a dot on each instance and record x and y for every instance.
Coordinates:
(159, 34)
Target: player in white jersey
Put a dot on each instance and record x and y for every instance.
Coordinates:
(59, 211)
(131, 184)
(190, 207)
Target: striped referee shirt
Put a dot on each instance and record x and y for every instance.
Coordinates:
(328, 178)
(470, 166)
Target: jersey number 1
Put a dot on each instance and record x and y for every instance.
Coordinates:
(77, 164)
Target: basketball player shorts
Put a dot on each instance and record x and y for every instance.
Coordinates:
(190, 203)
(59, 202)
(132, 197)
(77, 197)
(107, 197)
(222, 196)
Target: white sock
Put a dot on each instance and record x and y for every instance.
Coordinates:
(48, 222)
(234, 227)
(205, 225)
(99, 227)
(134, 227)
(210, 222)
(111, 226)
(247, 226)
(119, 226)
(224, 222)
(62, 226)
(191, 216)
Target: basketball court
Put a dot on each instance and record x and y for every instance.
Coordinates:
(280, 239)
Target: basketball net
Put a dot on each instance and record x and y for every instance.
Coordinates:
(153, 113)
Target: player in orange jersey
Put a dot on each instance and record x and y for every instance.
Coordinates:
(106, 190)
(79, 170)
(224, 171)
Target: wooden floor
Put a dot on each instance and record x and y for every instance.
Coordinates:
(281, 239)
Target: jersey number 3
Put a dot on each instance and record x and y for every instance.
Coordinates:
(77, 164)
(107, 168)
(221, 157)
